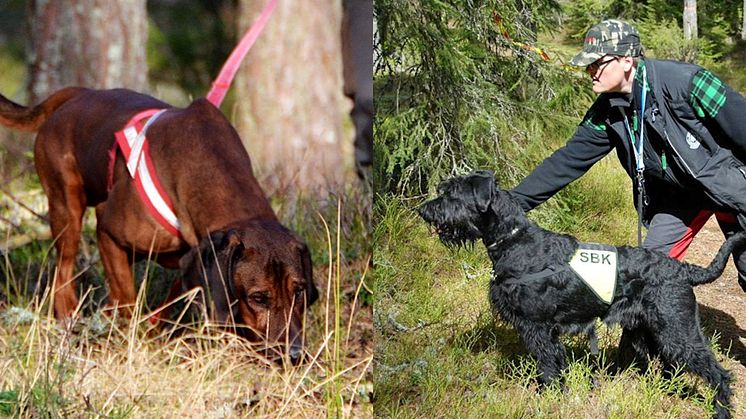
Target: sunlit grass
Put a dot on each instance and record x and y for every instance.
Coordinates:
(441, 353)
(100, 365)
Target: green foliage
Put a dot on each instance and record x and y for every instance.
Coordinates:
(581, 15)
(447, 81)
(731, 67)
(660, 25)
(13, 34)
(8, 400)
(720, 21)
(42, 399)
(669, 41)
(189, 41)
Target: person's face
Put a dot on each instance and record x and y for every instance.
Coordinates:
(610, 74)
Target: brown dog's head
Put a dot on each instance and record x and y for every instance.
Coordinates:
(258, 277)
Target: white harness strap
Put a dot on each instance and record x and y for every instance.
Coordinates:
(134, 146)
(137, 141)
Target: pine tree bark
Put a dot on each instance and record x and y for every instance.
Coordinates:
(690, 19)
(743, 26)
(290, 103)
(91, 43)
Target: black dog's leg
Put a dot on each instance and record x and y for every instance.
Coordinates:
(634, 349)
(695, 354)
(703, 363)
(542, 341)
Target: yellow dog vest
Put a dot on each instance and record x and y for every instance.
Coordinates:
(596, 265)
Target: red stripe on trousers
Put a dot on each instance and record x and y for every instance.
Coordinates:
(680, 247)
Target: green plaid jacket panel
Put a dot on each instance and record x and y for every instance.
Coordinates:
(708, 94)
(593, 124)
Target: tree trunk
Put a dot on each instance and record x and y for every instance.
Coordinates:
(743, 26)
(91, 43)
(690, 19)
(290, 103)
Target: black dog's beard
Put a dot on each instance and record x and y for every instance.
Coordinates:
(451, 220)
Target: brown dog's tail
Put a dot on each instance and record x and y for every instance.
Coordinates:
(22, 118)
(699, 275)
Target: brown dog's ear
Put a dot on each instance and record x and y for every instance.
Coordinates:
(211, 265)
(483, 187)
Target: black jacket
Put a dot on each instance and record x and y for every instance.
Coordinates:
(685, 153)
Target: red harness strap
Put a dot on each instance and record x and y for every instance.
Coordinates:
(132, 142)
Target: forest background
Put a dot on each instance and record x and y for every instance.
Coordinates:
(486, 85)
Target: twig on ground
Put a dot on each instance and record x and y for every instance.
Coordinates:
(24, 206)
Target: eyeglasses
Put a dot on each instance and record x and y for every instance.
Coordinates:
(593, 67)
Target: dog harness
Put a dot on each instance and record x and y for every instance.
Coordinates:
(133, 143)
(594, 264)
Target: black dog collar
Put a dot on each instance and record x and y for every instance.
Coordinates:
(497, 242)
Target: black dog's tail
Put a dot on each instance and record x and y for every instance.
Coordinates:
(699, 275)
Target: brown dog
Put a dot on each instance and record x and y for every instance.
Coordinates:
(254, 270)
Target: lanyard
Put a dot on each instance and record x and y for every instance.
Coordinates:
(637, 146)
(639, 154)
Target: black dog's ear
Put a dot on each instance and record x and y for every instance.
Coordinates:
(211, 266)
(482, 184)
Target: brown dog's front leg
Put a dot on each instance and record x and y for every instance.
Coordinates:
(122, 293)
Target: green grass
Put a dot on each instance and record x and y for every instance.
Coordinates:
(441, 353)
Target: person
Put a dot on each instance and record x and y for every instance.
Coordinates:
(678, 131)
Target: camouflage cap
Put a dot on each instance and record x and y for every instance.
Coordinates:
(613, 37)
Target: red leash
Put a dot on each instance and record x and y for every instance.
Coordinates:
(223, 82)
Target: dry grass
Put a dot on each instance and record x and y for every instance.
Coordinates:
(99, 366)
(103, 366)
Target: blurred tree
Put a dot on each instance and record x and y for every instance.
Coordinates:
(357, 70)
(690, 19)
(92, 43)
(743, 25)
(290, 100)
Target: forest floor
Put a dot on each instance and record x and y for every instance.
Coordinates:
(722, 307)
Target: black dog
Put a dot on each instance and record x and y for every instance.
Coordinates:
(534, 289)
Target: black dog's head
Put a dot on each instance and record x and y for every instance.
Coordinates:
(458, 213)
(470, 206)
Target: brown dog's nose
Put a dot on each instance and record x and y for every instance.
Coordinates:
(294, 355)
